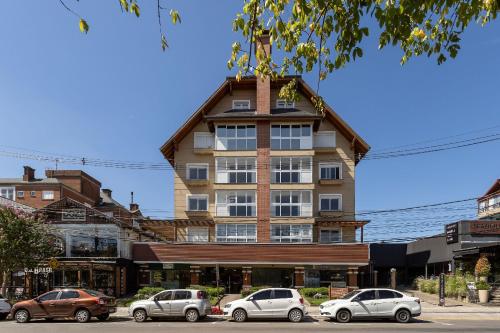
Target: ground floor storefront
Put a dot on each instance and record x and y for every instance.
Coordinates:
(240, 266)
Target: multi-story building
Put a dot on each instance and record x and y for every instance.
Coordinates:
(264, 193)
(489, 203)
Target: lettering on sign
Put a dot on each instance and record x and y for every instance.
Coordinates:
(451, 231)
(73, 214)
(485, 227)
(38, 270)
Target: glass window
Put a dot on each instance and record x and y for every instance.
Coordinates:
(231, 137)
(241, 104)
(367, 295)
(291, 169)
(164, 296)
(291, 203)
(87, 246)
(397, 295)
(198, 203)
(266, 294)
(7, 192)
(235, 203)
(20, 194)
(236, 233)
(285, 137)
(197, 171)
(182, 294)
(33, 194)
(50, 296)
(330, 236)
(330, 171)
(197, 234)
(282, 293)
(284, 104)
(291, 233)
(235, 170)
(330, 202)
(48, 195)
(67, 294)
(385, 294)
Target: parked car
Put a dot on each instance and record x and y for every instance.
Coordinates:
(80, 304)
(4, 307)
(268, 303)
(372, 303)
(188, 303)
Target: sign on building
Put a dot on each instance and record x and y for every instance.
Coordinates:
(451, 231)
(74, 214)
(485, 227)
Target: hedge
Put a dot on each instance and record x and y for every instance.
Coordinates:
(245, 293)
(310, 292)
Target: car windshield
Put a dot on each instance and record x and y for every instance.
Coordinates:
(94, 293)
(351, 294)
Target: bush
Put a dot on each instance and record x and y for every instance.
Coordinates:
(310, 292)
(245, 293)
(147, 292)
(211, 291)
(483, 267)
(482, 285)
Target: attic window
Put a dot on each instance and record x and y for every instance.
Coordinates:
(284, 104)
(241, 104)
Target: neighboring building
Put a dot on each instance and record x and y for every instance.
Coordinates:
(383, 258)
(489, 203)
(58, 184)
(264, 194)
(7, 203)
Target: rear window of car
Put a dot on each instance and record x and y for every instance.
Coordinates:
(69, 294)
(182, 294)
(94, 293)
(202, 294)
(385, 294)
(397, 295)
(282, 293)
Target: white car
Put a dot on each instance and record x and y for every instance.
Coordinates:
(188, 303)
(4, 307)
(372, 303)
(268, 303)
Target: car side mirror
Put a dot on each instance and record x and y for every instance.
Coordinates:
(156, 299)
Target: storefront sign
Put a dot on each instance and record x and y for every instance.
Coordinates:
(54, 263)
(485, 227)
(73, 214)
(451, 231)
(168, 266)
(441, 289)
(38, 270)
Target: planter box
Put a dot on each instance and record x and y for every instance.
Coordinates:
(483, 296)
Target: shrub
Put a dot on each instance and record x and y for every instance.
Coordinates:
(245, 293)
(211, 291)
(483, 267)
(310, 292)
(482, 285)
(147, 292)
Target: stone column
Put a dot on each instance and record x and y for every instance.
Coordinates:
(247, 277)
(393, 278)
(352, 277)
(195, 275)
(299, 277)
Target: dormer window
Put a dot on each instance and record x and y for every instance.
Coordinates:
(284, 104)
(241, 104)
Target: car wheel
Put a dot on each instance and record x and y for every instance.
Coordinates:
(22, 316)
(403, 316)
(295, 316)
(343, 316)
(103, 317)
(192, 315)
(140, 315)
(82, 315)
(239, 315)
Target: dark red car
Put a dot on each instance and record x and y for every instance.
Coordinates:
(80, 304)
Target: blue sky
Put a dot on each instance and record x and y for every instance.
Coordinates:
(113, 94)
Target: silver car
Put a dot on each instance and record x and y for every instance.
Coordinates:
(188, 303)
(372, 303)
(4, 307)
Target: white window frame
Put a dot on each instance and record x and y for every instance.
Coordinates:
(300, 238)
(198, 197)
(222, 209)
(330, 229)
(46, 193)
(305, 169)
(190, 166)
(330, 165)
(222, 175)
(11, 189)
(33, 194)
(20, 194)
(196, 238)
(284, 104)
(200, 139)
(319, 134)
(305, 208)
(305, 142)
(330, 196)
(238, 238)
(222, 142)
(239, 101)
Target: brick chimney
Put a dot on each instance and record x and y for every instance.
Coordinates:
(263, 84)
(107, 191)
(29, 173)
(134, 207)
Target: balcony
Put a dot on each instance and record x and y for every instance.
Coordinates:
(486, 209)
(197, 182)
(332, 214)
(331, 181)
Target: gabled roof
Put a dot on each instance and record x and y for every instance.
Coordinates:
(7, 203)
(168, 148)
(493, 189)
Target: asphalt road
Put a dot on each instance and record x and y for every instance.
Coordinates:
(123, 325)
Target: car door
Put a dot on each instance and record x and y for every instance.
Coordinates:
(181, 299)
(365, 304)
(282, 300)
(160, 306)
(386, 302)
(67, 303)
(260, 304)
(45, 305)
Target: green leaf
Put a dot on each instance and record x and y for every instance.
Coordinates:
(84, 27)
